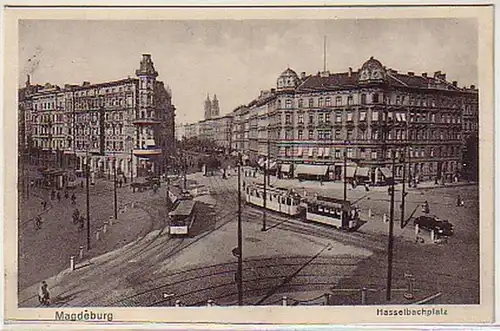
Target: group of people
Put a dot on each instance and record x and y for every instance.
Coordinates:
(57, 195)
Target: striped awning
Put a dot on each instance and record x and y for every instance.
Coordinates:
(311, 169)
(285, 167)
(386, 172)
(363, 172)
(349, 171)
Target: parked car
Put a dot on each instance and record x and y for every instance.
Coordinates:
(441, 227)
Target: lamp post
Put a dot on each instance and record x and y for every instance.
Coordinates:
(114, 189)
(391, 231)
(87, 174)
(403, 192)
(240, 241)
(266, 180)
(345, 170)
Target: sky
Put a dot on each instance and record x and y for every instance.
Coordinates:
(236, 59)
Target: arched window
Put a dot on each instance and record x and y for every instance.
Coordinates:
(311, 102)
(320, 102)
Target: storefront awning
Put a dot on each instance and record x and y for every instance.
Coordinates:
(386, 172)
(299, 151)
(363, 172)
(285, 168)
(311, 151)
(327, 152)
(349, 171)
(311, 169)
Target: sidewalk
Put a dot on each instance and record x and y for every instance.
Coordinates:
(59, 238)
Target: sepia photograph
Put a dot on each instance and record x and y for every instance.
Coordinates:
(291, 159)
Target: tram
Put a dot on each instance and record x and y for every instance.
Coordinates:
(277, 199)
(182, 217)
(332, 211)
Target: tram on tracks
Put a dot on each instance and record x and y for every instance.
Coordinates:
(283, 201)
(182, 217)
(333, 212)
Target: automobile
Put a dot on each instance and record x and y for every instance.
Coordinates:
(441, 227)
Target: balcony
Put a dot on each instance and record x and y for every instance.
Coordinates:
(146, 121)
(147, 152)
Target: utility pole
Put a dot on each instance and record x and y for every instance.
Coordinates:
(185, 170)
(87, 172)
(403, 193)
(131, 166)
(115, 197)
(240, 241)
(391, 231)
(264, 212)
(345, 170)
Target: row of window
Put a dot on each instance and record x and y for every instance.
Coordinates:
(324, 117)
(366, 153)
(374, 98)
(374, 134)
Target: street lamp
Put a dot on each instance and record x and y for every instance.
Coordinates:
(403, 190)
(240, 241)
(391, 231)
(345, 169)
(87, 174)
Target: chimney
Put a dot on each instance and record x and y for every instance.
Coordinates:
(350, 71)
(411, 73)
(303, 75)
(455, 83)
(442, 76)
(273, 90)
(424, 74)
(437, 74)
(85, 83)
(473, 87)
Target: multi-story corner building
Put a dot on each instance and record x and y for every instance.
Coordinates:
(127, 124)
(310, 122)
(192, 130)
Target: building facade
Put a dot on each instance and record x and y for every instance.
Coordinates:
(126, 124)
(361, 117)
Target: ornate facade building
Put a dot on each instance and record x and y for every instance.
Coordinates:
(312, 124)
(127, 124)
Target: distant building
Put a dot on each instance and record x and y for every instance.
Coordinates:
(180, 131)
(127, 124)
(212, 109)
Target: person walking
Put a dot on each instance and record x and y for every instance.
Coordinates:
(38, 222)
(66, 195)
(425, 207)
(58, 196)
(73, 199)
(43, 294)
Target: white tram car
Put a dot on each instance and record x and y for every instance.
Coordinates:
(332, 211)
(279, 200)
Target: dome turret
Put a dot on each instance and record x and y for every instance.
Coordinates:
(287, 80)
(372, 70)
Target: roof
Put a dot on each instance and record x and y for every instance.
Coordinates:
(184, 208)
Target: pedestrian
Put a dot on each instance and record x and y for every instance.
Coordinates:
(367, 189)
(52, 195)
(66, 194)
(120, 182)
(43, 294)
(321, 181)
(73, 199)
(58, 196)
(425, 207)
(38, 222)
(81, 184)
